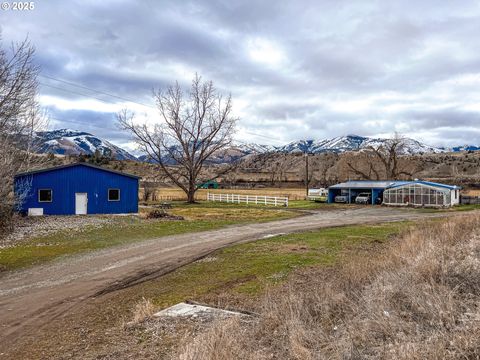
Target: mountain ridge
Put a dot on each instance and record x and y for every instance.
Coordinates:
(75, 142)
(346, 143)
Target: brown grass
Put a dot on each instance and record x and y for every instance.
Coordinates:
(174, 193)
(471, 192)
(143, 310)
(417, 299)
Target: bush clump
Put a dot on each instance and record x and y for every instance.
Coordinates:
(419, 298)
(162, 214)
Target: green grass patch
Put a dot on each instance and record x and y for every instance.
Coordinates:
(465, 207)
(292, 204)
(127, 230)
(217, 204)
(247, 269)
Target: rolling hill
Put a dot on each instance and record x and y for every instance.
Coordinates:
(74, 142)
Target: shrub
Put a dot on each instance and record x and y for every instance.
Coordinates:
(143, 310)
(157, 214)
(162, 214)
(417, 299)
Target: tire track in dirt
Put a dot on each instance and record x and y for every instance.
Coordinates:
(32, 297)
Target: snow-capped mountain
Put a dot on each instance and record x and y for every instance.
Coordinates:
(73, 142)
(65, 141)
(229, 155)
(255, 148)
(353, 143)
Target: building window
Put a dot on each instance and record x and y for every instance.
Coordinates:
(417, 195)
(113, 194)
(45, 195)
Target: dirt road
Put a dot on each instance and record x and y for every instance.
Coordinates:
(30, 298)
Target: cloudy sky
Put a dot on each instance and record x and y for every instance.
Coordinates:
(295, 69)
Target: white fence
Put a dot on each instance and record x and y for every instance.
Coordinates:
(249, 199)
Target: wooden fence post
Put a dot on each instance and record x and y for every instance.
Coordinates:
(257, 199)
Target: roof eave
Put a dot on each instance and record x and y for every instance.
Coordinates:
(76, 164)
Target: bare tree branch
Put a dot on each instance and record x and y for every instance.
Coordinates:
(384, 161)
(20, 117)
(194, 127)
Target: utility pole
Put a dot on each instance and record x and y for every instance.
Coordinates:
(306, 174)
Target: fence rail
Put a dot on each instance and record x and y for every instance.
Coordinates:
(249, 199)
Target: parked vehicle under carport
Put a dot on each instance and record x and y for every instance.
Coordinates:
(356, 187)
(341, 199)
(364, 198)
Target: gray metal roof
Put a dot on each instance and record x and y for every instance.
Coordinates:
(368, 184)
(385, 184)
(432, 184)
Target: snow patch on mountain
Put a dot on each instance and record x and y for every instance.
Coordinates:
(353, 143)
(254, 148)
(73, 142)
(66, 141)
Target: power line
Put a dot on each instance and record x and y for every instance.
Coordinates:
(264, 136)
(112, 129)
(83, 123)
(115, 96)
(118, 97)
(94, 90)
(77, 93)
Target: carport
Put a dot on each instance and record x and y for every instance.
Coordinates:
(353, 188)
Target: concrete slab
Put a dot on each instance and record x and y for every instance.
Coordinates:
(195, 310)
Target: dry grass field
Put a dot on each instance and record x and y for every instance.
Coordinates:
(174, 193)
(471, 192)
(417, 299)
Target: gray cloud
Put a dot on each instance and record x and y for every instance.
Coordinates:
(444, 118)
(307, 69)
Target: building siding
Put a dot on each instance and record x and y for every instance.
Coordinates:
(65, 182)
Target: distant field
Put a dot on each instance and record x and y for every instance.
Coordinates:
(471, 192)
(173, 193)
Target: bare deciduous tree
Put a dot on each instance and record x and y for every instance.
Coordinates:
(276, 165)
(383, 162)
(149, 188)
(194, 127)
(19, 119)
(324, 168)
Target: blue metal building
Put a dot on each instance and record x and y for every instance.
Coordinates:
(77, 189)
(353, 188)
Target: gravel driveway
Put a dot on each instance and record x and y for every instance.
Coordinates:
(32, 297)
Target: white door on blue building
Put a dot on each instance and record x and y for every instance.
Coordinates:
(81, 201)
